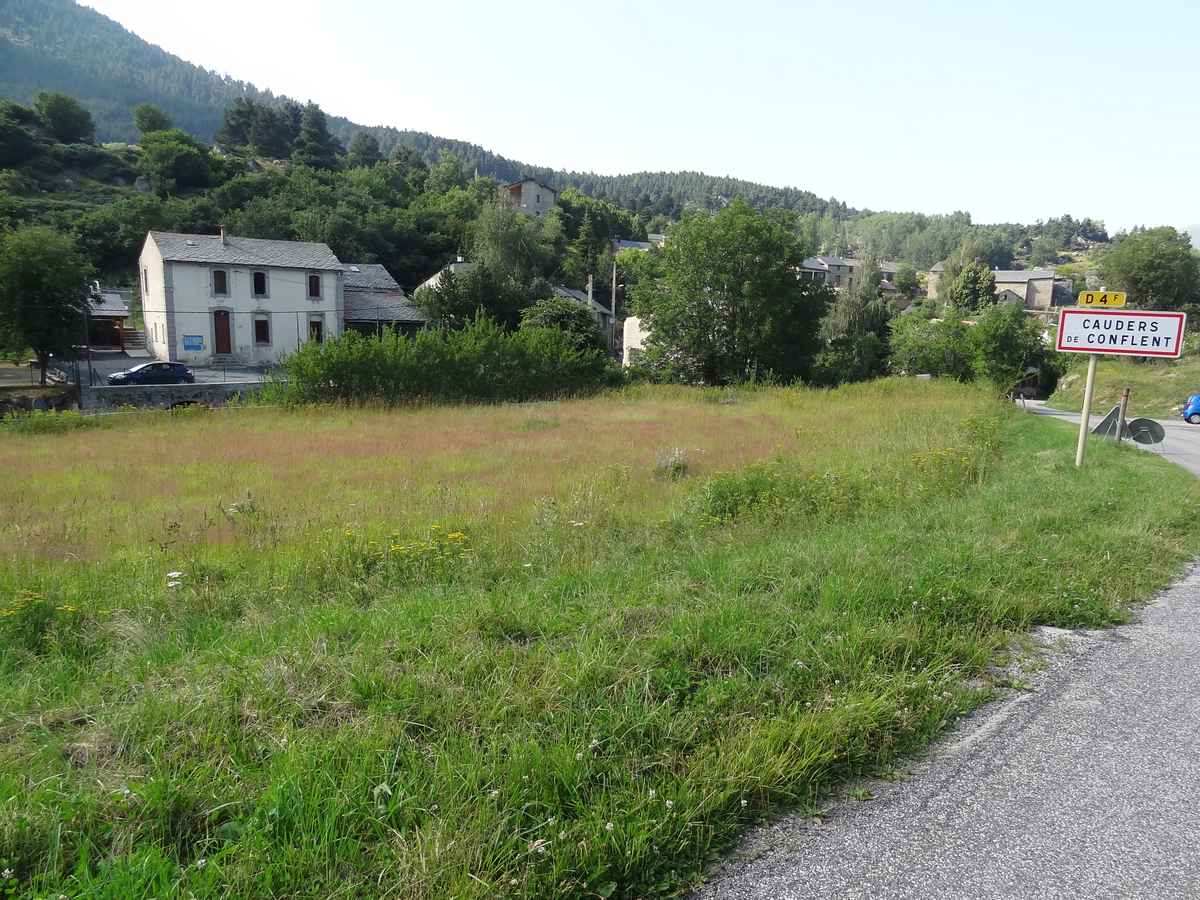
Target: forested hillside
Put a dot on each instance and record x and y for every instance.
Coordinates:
(56, 45)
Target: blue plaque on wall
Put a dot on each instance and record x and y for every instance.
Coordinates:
(193, 342)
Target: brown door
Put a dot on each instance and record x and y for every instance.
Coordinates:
(222, 341)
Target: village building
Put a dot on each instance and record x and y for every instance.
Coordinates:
(599, 311)
(1035, 287)
(459, 267)
(530, 196)
(842, 273)
(108, 320)
(219, 298)
(375, 301)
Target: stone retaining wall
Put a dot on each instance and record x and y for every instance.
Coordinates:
(165, 396)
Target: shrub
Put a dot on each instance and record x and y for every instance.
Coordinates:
(479, 362)
(46, 422)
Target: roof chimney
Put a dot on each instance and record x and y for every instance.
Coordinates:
(223, 241)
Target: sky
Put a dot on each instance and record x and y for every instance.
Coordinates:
(1013, 111)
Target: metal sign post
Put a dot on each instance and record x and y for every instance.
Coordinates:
(1119, 332)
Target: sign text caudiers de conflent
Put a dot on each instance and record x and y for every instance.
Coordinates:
(1128, 332)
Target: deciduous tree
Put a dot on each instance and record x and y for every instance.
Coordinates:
(43, 292)
(1158, 268)
(148, 117)
(726, 299)
(65, 118)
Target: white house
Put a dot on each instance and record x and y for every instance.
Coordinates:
(212, 297)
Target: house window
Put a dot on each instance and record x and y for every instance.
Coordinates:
(314, 287)
(262, 329)
(220, 283)
(260, 284)
(145, 282)
(316, 328)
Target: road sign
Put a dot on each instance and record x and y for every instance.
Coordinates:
(1125, 332)
(1106, 299)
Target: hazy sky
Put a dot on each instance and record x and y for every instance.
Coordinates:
(1013, 111)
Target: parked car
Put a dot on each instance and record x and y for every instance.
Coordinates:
(1191, 409)
(154, 373)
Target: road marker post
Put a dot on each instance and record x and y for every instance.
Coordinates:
(1119, 332)
(1121, 414)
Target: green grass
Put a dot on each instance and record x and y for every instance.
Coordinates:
(587, 680)
(1158, 388)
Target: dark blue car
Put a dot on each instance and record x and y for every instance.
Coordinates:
(154, 373)
(1191, 409)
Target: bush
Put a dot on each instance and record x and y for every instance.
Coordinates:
(45, 422)
(479, 362)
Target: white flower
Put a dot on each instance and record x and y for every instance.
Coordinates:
(174, 584)
(653, 793)
(743, 804)
(608, 827)
(579, 756)
(494, 794)
(201, 863)
(174, 574)
(593, 745)
(513, 882)
(670, 804)
(6, 874)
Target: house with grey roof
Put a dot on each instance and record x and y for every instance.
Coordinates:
(374, 301)
(841, 272)
(219, 298)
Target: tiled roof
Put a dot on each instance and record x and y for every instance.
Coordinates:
(540, 184)
(240, 251)
(381, 306)
(368, 277)
(578, 296)
(1010, 275)
(109, 304)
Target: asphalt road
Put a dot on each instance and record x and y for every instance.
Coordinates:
(1086, 786)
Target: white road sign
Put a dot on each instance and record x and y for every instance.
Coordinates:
(1122, 332)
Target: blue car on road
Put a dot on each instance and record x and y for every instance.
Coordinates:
(1191, 409)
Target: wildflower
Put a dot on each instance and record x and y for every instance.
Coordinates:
(201, 863)
(511, 881)
(653, 793)
(743, 804)
(174, 575)
(593, 745)
(174, 584)
(492, 795)
(578, 756)
(670, 804)
(7, 874)
(608, 827)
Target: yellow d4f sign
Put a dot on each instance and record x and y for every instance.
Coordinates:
(1106, 299)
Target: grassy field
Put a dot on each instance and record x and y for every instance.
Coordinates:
(1158, 388)
(566, 649)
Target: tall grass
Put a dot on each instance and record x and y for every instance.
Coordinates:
(444, 652)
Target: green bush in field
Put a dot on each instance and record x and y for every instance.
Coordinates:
(479, 362)
(46, 422)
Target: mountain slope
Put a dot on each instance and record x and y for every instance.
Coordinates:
(57, 45)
